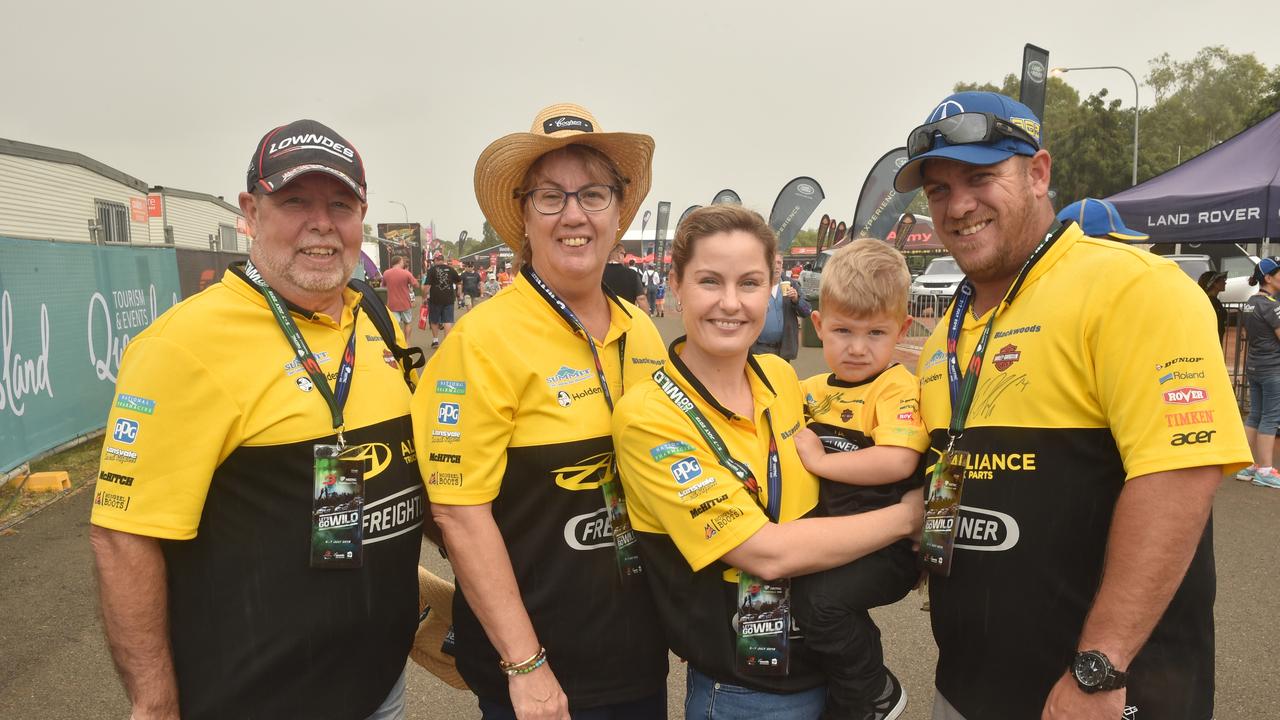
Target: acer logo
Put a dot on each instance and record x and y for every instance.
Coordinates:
(1192, 438)
(1185, 396)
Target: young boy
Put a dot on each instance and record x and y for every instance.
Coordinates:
(865, 440)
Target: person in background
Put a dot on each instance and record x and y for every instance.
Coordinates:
(470, 285)
(1214, 282)
(443, 282)
(398, 280)
(1262, 365)
(1100, 219)
(651, 281)
(717, 491)
(781, 332)
(621, 279)
(513, 430)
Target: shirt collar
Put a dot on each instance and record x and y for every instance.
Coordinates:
(620, 321)
(763, 395)
(239, 283)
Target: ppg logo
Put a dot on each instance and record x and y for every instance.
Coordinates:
(448, 414)
(126, 431)
(685, 470)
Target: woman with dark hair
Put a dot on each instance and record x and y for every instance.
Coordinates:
(1262, 364)
(553, 618)
(707, 454)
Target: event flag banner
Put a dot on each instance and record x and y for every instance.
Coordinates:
(686, 212)
(67, 312)
(823, 225)
(795, 203)
(840, 231)
(1035, 73)
(879, 205)
(726, 197)
(660, 238)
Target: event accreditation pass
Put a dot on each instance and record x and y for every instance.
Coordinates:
(337, 517)
(764, 624)
(942, 512)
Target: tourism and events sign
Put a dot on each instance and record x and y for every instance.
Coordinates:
(67, 312)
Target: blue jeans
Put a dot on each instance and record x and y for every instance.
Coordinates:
(393, 707)
(706, 699)
(1264, 403)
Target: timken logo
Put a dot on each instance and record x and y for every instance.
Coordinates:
(1191, 417)
(1008, 355)
(1186, 396)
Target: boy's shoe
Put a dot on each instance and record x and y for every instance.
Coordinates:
(1269, 479)
(892, 703)
(1247, 474)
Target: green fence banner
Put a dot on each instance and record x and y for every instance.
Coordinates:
(67, 311)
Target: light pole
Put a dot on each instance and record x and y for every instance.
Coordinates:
(1057, 72)
(403, 207)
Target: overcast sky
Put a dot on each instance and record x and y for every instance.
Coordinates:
(745, 94)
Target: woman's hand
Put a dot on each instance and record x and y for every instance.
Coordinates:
(913, 500)
(810, 449)
(537, 695)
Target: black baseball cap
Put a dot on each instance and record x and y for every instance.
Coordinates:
(301, 147)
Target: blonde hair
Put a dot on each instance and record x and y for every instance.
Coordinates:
(864, 278)
(715, 219)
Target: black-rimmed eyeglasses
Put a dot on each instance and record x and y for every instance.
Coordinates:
(965, 129)
(549, 201)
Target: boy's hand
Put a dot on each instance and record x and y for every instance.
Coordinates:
(914, 499)
(810, 449)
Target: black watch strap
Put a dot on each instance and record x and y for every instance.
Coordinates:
(1102, 674)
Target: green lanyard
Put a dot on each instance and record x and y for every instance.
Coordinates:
(682, 401)
(336, 398)
(963, 389)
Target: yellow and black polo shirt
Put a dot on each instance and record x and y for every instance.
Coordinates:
(688, 510)
(510, 412)
(209, 448)
(1105, 367)
(881, 410)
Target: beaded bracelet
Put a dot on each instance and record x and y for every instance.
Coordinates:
(525, 666)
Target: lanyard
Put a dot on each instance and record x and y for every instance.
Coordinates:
(962, 395)
(564, 312)
(721, 451)
(336, 398)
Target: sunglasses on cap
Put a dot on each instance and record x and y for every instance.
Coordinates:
(965, 129)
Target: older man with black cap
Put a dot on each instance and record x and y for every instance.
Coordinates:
(255, 529)
(1076, 580)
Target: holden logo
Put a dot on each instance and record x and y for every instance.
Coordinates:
(1035, 71)
(1185, 396)
(590, 531)
(1007, 356)
(804, 189)
(563, 398)
(899, 162)
(986, 530)
(304, 384)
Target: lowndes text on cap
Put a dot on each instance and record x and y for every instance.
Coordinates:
(311, 141)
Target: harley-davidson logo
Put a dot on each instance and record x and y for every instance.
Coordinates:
(1008, 355)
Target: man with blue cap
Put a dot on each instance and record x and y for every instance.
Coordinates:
(1072, 554)
(1100, 219)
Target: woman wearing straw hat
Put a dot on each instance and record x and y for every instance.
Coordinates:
(553, 615)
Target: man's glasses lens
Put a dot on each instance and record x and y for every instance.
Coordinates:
(963, 129)
(592, 198)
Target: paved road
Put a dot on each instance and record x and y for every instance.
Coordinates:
(54, 663)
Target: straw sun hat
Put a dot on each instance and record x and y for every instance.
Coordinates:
(437, 594)
(502, 166)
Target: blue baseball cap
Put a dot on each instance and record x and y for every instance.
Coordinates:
(988, 153)
(1100, 219)
(1265, 266)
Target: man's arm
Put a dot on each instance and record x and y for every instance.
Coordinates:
(135, 612)
(1157, 525)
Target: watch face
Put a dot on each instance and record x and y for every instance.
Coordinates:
(1090, 670)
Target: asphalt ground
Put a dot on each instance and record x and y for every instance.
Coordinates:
(54, 663)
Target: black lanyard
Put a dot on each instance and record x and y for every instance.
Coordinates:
(962, 396)
(579, 329)
(721, 451)
(335, 398)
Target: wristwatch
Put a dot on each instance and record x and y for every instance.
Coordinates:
(1094, 672)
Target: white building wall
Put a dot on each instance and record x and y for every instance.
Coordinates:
(193, 221)
(49, 200)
